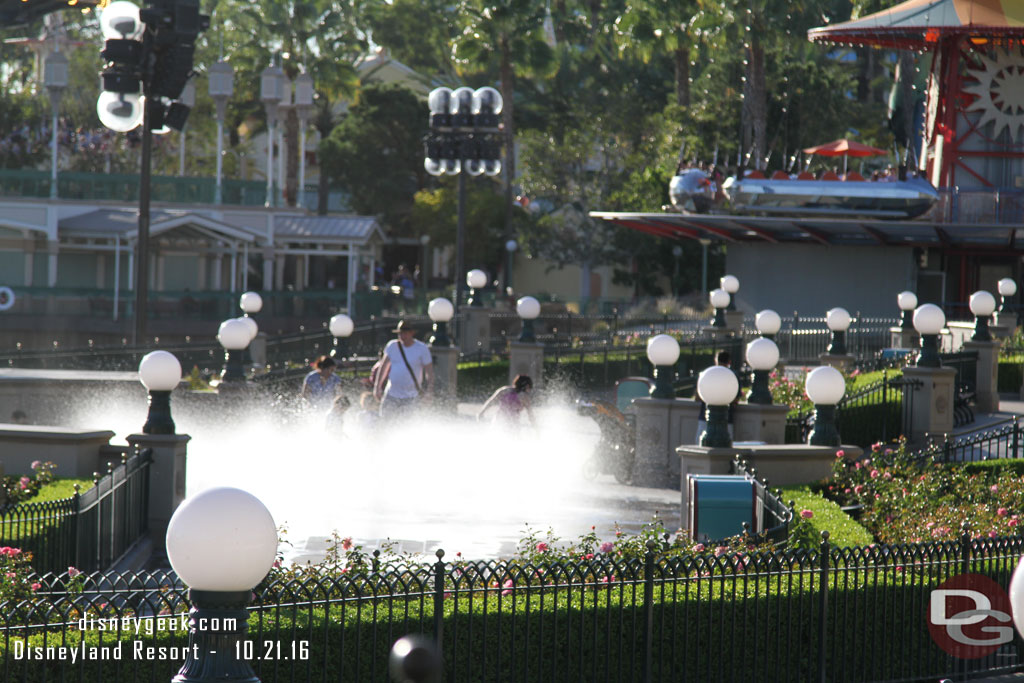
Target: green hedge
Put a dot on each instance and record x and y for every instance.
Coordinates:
(745, 627)
(1009, 377)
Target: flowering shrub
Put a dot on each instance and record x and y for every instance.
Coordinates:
(17, 580)
(789, 392)
(20, 489)
(908, 501)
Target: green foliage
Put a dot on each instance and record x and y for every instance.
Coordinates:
(826, 515)
(19, 489)
(375, 153)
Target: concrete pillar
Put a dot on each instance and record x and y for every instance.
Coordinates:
(758, 422)
(446, 374)
(900, 338)
(166, 478)
(734, 321)
(1005, 327)
(842, 362)
(526, 358)
(931, 408)
(986, 389)
(699, 460)
(662, 424)
(476, 330)
(258, 350)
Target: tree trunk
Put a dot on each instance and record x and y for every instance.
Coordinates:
(324, 123)
(906, 81)
(682, 59)
(758, 103)
(509, 169)
(291, 162)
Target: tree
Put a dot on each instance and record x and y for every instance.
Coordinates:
(507, 34)
(417, 33)
(655, 27)
(376, 153)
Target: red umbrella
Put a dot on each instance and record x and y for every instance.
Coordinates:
(845, 148)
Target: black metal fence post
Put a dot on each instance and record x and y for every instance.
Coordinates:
(965, 548)
(823, 607)
(439, 600)
(1016, 438)
(649, 611)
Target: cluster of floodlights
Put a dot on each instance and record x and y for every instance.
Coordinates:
(464, 132)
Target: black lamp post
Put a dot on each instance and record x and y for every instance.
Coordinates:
(838, 322)
(1007, 288)
(234, 336)
(440, 311)
(983, 305)
(825, 387)
(907, 301)
(147, 62)
(341, 327)
(763, 355)
(720, 301)
(528, 309)
(717, 386)
(160, 373)
(929, 321)
(464, 138)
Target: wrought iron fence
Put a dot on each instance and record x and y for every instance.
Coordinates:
(835, 614)
(90, 530)
(803, 339)
(879, 412)
(1003, 441)
(777, 516)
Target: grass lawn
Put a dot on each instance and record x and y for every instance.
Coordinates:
(61, 488)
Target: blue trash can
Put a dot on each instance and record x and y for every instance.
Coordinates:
(719, 504)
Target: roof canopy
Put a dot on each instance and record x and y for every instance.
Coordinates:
(917, 24)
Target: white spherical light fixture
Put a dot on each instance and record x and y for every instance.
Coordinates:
(825, 386)
(929, 319)
(120, 112)
(717, 386)
(1017, 596)
(730, 283)
(233, 335)
(250, 302)
(440, 310)
(120, 21)
(476, 278)
(907, 301)
(1007, 287)
(768, 322)
(222, 539)
(662, 349)
(982, 304)
(159, 371)
(762, 354)
(250, 325)
(838, 319)
(719, 298)
(341, 325)
(528, 308)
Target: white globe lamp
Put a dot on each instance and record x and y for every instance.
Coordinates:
(441, 312)
(528, 309)
(663, 352)
(929, 321)
(717, 386)
(825, 387)
(160, 373)
(763, 356)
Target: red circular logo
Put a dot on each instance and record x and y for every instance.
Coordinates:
(969, 616)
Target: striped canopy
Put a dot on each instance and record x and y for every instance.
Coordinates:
(917, 24)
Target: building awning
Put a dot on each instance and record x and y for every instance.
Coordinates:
(918, 24)
(823, 231)
(124, 223)
(357, 230)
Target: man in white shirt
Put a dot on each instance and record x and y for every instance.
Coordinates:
(407, 373)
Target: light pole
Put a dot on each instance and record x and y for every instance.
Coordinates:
(838, 321)
(768, 323)
(464, 136)
(663, 352)
(221, 543)
(510, 248)
(271, 93)
(304, 110)
(907, 301)
(763, 355)
(424, 268)
(1007, 288)
(341, 327)
(717, 386)
(929, 321)
(188, 98)
(704, 243)
(56, 80)
(477, 280)
(160, 373)
(825, 387)
(440, 311)
(720, 301)
(283, 107)
(221, 88)
(731, 284)
(528, 309)
(234, 336)
(677, 251)
(982, 304)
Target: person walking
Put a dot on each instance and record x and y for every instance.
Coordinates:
(321, 386)
(407, 374)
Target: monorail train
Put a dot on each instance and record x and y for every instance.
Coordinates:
(692, 190)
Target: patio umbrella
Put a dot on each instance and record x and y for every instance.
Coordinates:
(846, 148)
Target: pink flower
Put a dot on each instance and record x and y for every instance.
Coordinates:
(458, 554)
(36, 464)
(994, 488)
(588, 556)
(276, 565)
(10, 575)
(875, 474)
(507, 586)
(1012, 523)
(858, 489)
(875, 447)
(877, 496)
(699, 548)
(888, 451)
(840, 453)
(542, 547)
(447, 595)
(721, 550)
(72, 572)
(36, 586)
(887, 476)
(992, 534)
(606, 547)
(1001, 512)
(608, 579)
(857, 465)
(346, 543)
(806, 514)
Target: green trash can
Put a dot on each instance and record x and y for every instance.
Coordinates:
(719, 504)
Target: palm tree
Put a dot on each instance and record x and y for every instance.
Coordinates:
(654, 27)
